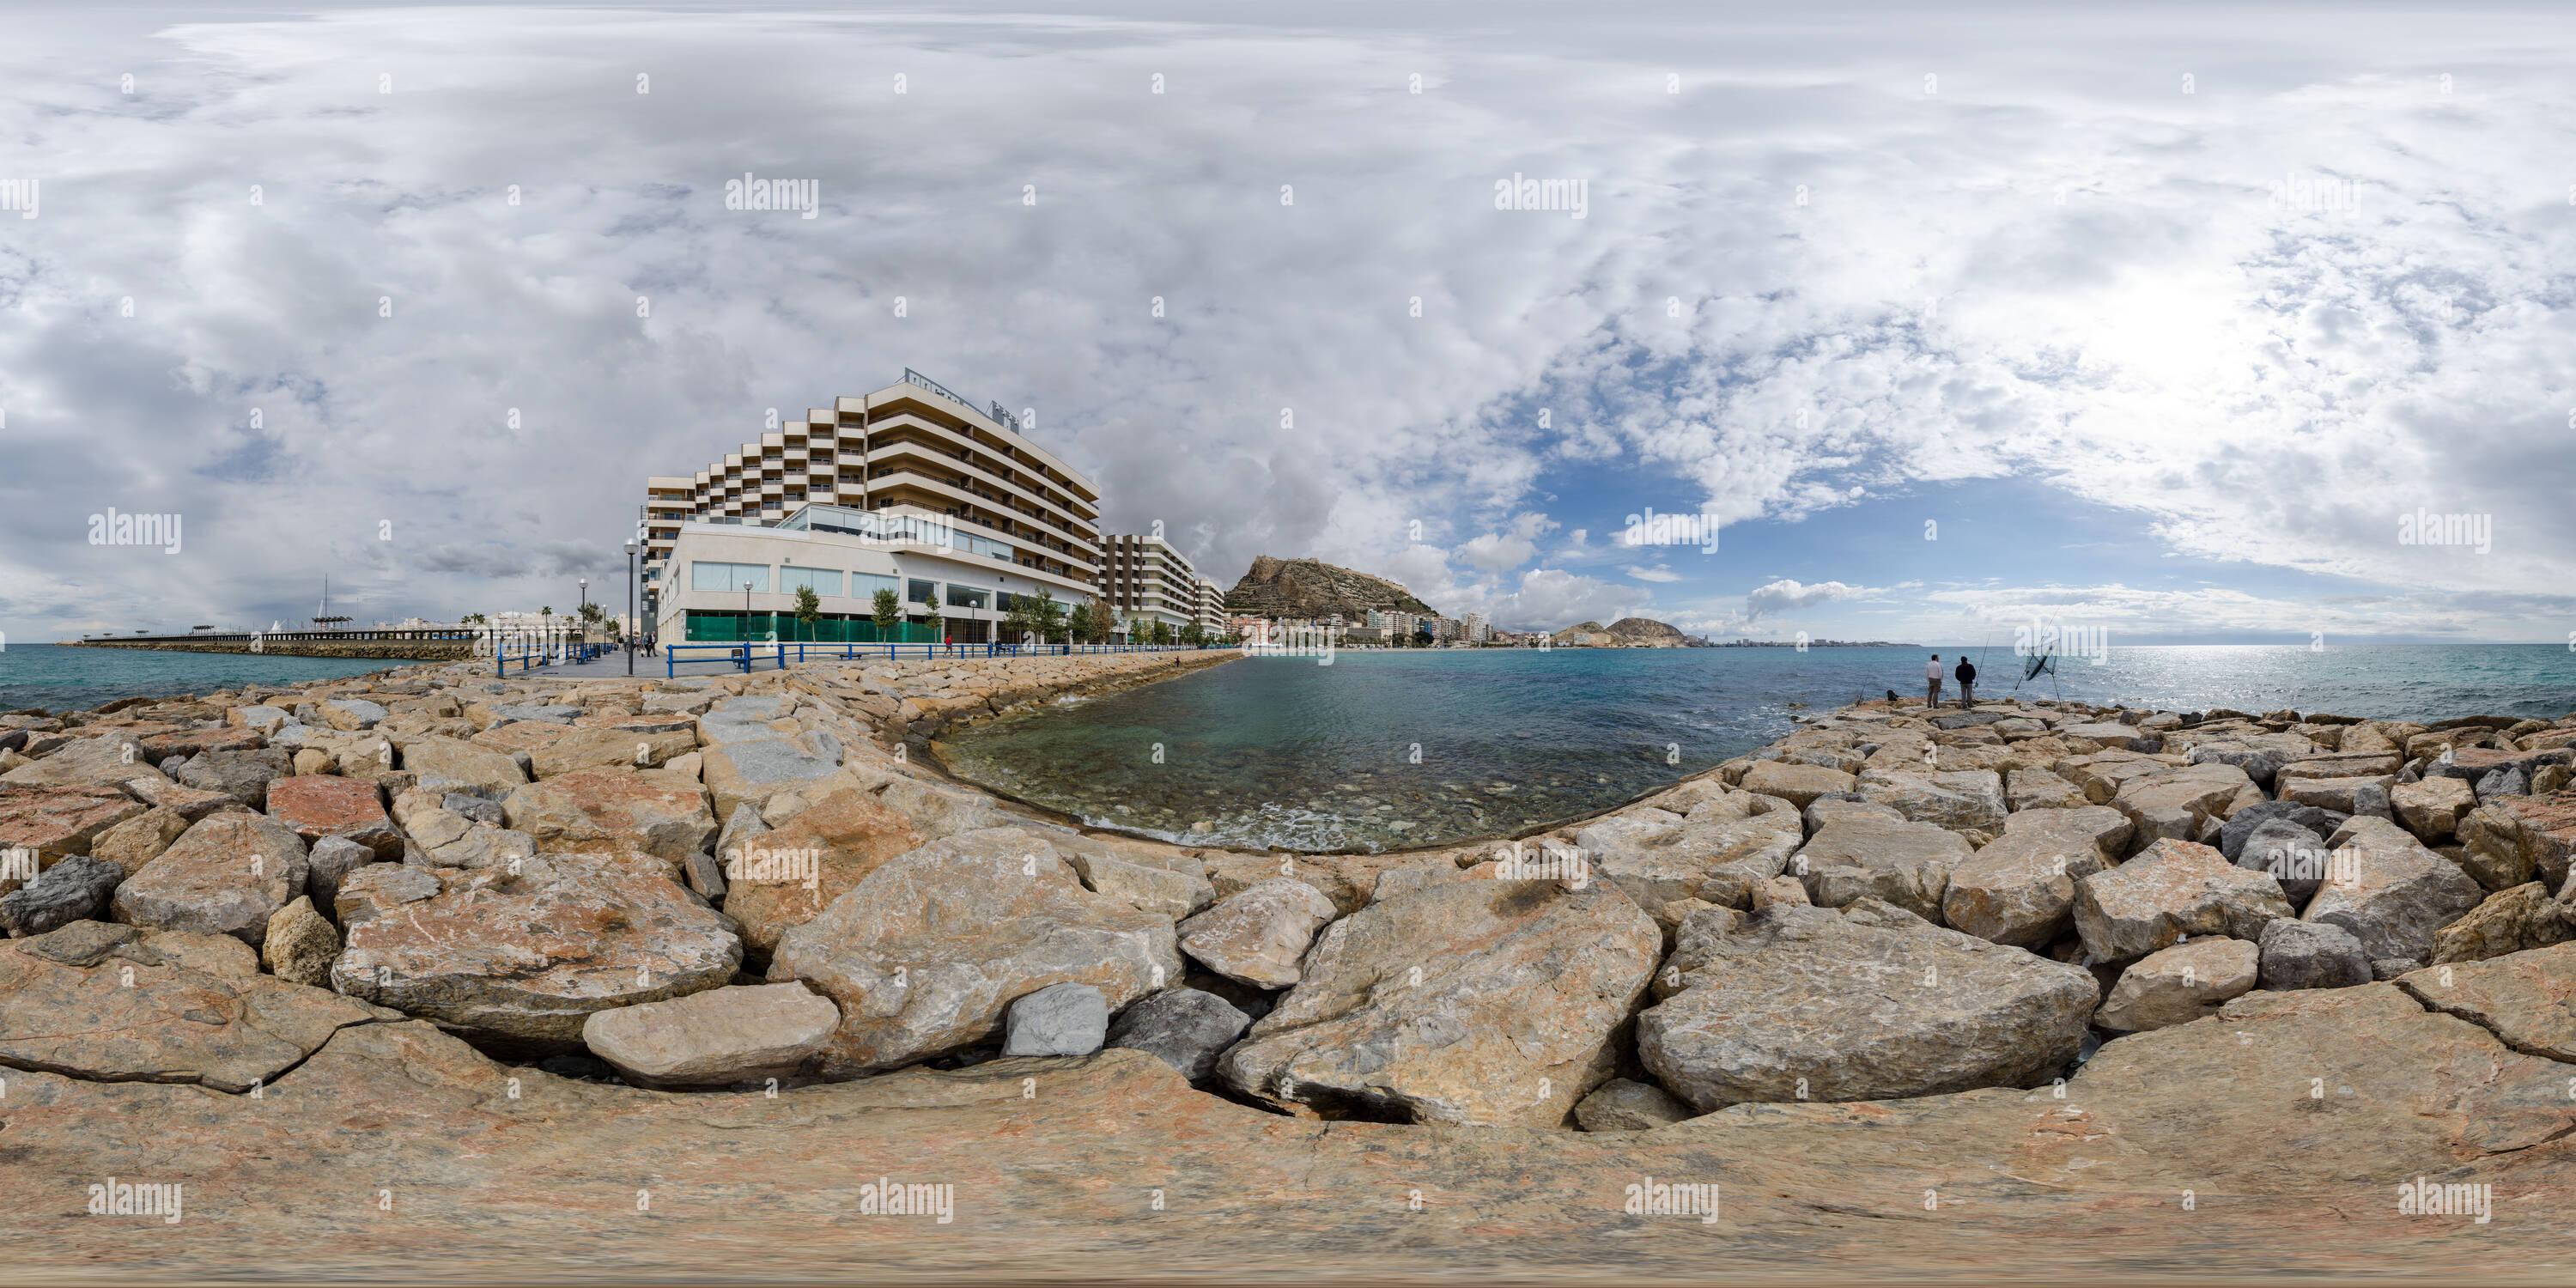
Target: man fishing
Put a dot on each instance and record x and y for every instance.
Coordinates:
(1967, 674)
(1932, 681)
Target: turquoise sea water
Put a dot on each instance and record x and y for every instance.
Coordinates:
(57, 678)
(1386, 750)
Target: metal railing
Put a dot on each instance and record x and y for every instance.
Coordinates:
(743, 655)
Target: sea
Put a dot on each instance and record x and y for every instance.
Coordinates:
(1399, 749)
(55, 677)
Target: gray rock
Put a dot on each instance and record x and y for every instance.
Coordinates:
(1869, 1003)
(1622, 1105)
(2388, 968)
(752, 771)
(740, 1035)
(2503, 782)
(1060, 1019)
(2389, 891)
(2179, 984)
(1183, 1027)
(742, 823)
(2170, 890)
(2020, 890)
(705, 875)
(2310, 954)
(925, 951)
(2241, 824)
(74, 889)
(242, 775)
(1259, 934)
(475, 806)
(226, 875)
(81, 943)
(2293, 855)
(561, 715)
(1905, 863)
(1466, 1002)
(332, 859)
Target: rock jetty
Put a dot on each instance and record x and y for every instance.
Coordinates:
(653, 976)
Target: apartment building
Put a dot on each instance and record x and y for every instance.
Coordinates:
(1212, 614)
(1145, 577)
(910, 488)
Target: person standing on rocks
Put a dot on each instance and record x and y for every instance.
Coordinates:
(1967, 674)
(1932, 682)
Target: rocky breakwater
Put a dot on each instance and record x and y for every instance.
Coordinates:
(526, 959)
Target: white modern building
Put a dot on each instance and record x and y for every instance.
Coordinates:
(1145, 577)
(911, 489)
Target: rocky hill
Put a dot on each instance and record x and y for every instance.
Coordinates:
(1646, 632)
(1627, 632)
(1303, 588)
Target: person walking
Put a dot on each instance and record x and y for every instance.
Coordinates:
(1932, 682)
(1967, 674)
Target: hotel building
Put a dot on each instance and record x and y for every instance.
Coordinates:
(910, 489)
(1145, 577)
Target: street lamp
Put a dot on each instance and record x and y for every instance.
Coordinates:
(631, 548)
(582, 620)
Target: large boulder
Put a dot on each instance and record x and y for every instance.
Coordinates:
(140, 839)
(2432, 809)
(320, 805)
(1492, 1002)
(1060, 1019)
(753, 770)
(2389, 891)
(575, 750)
(2510, 841)
(226, 875)
(2178, 804)
(1154, 878)
(1906, 864)
(723, 1037)
(59, 820)
(1868, 1003)
(2512, 921)
(242, 775)
(75, 889)
(1186, 1028)
(113, 1015)
(2020, 890)
(2035, 789)
(525, 957)
(2180, 984)
(1962, 800)
(2310, 954)
(925, 952)
(779, 879)
(2241, 825)
(2527, 999)
(2170, 890)
(656, 812)
(2293, 855)
(1722, 849)
(1797, 784)
(108, 759)
(488, 771)
(1258, 935)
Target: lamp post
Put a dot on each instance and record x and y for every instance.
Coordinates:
(631, 548)
(581, 620)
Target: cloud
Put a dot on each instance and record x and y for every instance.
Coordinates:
(1786, 596)
(1650, 574)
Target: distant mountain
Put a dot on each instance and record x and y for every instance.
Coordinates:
(1303, 588)
(1587, 635)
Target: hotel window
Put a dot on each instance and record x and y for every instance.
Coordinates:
(728, 576)
(963, 597)
(865, 585)
(823, 580)
(923, 592)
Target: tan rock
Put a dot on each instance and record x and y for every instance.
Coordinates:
(226, 875)
(2432, 809)
(301, 945)
(2170, 890)
(140, 839)
(1797, 784)
(722, 1037)
(834, 845)
(1258, 936)
(2179, 984)
(2510, 921)
(653, 812)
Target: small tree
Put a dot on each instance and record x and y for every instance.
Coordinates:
(809, 608)
(1139, 631)
(889, 613)
(930, 617)
(1162, 632)
(1194, 635)
(1077, 623)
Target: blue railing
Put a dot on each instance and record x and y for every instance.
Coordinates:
(742, 655)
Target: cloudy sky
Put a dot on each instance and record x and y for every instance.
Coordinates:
(2163, 321)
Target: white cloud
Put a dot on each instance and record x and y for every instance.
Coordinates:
(1651, 574)
(1787, 595)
